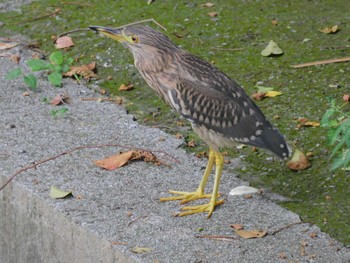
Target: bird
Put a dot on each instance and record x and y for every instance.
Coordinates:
(219, 109)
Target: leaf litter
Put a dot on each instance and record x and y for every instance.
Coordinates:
(121, 159)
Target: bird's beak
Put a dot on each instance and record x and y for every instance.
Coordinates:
(114, 33)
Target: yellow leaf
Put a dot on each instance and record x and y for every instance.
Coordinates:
(330, 29)
(251, 233)
(140, 250)
(311, 124)
(208, 5)
(272, 94)
(272, 49)
(57, 193)
(124, 87)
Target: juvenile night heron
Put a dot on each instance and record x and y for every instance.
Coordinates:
(220, 111)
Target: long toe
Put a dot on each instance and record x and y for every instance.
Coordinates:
(185, 197)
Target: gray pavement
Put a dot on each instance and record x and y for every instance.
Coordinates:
(113, 212)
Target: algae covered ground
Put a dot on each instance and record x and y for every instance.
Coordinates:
(233, 40)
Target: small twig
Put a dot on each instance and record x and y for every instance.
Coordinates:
(76, 3)
(321, 62)
(73, 150)
(57, 10)
(99, 99)
(135, 219)
(227, 49)
(285, 227)
(219, 238)
(144, 21)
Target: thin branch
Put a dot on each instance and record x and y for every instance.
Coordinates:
(144, 21)
(284, 227)
(321, 62)
(54, 13)
(219, 238)
(32, 166)
(227, 49)
(76, 3)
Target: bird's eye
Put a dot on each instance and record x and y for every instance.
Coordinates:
(134, 39)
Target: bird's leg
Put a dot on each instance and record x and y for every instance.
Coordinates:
(209, 207)
(186, 197)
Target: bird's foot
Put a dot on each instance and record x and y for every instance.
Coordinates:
(209, 207)
(185, 197)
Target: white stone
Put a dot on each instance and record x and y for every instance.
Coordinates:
(243, 190)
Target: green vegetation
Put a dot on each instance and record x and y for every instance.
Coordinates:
(338, 124)
(317, 194)
(58, 64)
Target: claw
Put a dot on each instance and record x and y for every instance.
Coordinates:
(185, 197)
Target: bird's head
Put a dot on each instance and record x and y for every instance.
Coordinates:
(141, 40)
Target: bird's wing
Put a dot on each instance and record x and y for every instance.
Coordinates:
(224, 108)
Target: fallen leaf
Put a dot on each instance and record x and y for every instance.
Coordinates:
(237, 226)
(274, 22)
(272, 94)
(258, 95)
(114, 161)
(15, 58)
(330, 29)
(243, 190)
(56, 193)
(178, 136)
(305, 122)
(59, 99)
(4, 46)
(124, 87)
(282, 255)
(251, 233)
(85, 71)
(26, 93)
(191, 144)
(346, 97)
(299, 161)
(208, 5)
(313, 235)
(64, 42)
(264, 89)
(272, 49)
(140, 250)
(213, 14)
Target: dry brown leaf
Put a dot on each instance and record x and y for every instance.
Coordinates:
(15, 58)
(299, 161)
(208, 5)
(4, 46)
(26, 93)
(115, 161)
(259, 95)
(237, 226)
(213, 14)
(330, 29)
(251, 233)
(64, 42)
(85, 71)
(59, 99)
(191, 144)
(274, 22)
(305, 122)
(346, 97)
(124, 87)
(178, 136)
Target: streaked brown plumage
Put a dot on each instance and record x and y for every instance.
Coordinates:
(218, 108)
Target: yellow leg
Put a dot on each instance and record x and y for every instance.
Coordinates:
(199, 193)
(209, 207)
(186, 197)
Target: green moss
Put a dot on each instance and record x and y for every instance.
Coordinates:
(239, 24)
